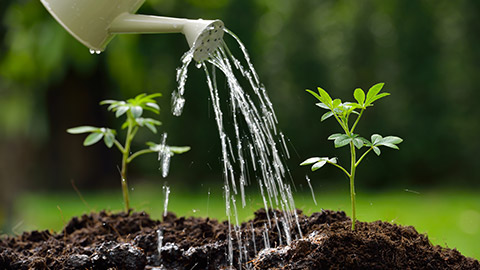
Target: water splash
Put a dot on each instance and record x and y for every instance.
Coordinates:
(253, 238)
(159, 241)
(311, 189)
(251, 139)
(178, 101)
(164, 156)
(166, 193)
(266, 240)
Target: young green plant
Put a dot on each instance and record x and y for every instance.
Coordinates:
(133, 110)
(342, 111)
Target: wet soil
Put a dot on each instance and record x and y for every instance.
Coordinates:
(131, 241)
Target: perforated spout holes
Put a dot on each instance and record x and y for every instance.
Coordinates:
(208, 41)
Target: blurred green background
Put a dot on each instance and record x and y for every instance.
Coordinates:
(427, 52)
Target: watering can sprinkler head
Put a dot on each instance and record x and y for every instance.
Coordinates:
(95, 22)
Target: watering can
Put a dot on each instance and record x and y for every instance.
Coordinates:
(95, 22)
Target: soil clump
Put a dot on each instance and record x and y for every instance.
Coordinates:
(135, 241)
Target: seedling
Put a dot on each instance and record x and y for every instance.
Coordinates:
(133, 109)
(342, 112)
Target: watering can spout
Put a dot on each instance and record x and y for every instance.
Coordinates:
(95, 22)
(203, 35)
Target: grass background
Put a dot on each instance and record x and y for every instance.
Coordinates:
(450, 218)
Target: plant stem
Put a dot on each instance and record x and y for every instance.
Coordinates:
(341, 168)
(138, 153)
(356, 121)
(352, 183)
(342, 124)
(118, 145)
(364, 154)
(126, 151)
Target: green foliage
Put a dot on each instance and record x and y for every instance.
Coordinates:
(342, 112)
(133, 109)
(40, 61)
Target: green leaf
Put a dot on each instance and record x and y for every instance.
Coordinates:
(151, 144)
(365, 141)
(82, 129)
(376, 139)
(156, 147)
(318, 165)
(136, 111)
(121, 110)
(359, 96)
(315, 95)
(326, 115)
(310, 161)
(342, 141)
(149, 123)
(351, 105)
(325, 96)
(136, 100)
(112, 107)
(376, 150)
(391, 145)
(153, 121)
(172, 149)
(358, 142)
(109, 139)
(143, 98)
(373, 91)
(153, 107)
(377, 97)
(108, 101)
(179, 149)
(116, 105)
(337, 102)
(140, 121)
(333, 160)
(322, 105)
(335, 136)
(392, 139)
(93, 138)
(389, 141)
(154, 95)
(151, 127)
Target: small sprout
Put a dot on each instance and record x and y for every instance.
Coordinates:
(133, 109)
(341, 112)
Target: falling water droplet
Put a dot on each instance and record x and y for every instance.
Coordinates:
(164, 156)
(208, 201)
(266, 240)
(92, 51)
(311, 189)
(166, 192)
(159, 241)
(178, 102)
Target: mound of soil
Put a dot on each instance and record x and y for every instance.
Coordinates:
(134, 241)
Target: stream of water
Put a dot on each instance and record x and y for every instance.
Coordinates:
(253, 149)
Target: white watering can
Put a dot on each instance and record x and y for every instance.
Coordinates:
(95, 22)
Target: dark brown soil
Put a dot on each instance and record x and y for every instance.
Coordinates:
(130, 241)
